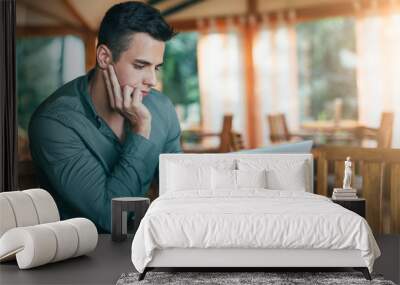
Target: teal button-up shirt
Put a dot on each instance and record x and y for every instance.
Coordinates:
(82, 163)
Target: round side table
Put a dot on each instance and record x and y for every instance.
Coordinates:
(120, 207)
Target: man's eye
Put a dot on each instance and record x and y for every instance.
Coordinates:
(138, 66)
(158, 68)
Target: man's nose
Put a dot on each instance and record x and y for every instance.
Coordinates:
(151, 78)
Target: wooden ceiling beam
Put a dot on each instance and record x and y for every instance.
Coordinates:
(304, 14)
(50, 15)
(72, 9)
(179, 7)
(35, 31)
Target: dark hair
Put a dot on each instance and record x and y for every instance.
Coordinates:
(122, 20)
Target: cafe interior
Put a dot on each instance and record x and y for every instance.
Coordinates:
(249, 75)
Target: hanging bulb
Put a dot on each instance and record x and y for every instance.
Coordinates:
(230, 22)
(201, 23)
(357, 6)
(252, 20)
(280, 19)
(292, 15)
(374, 5)
(265, 21)
(213, 25)
(242, 20)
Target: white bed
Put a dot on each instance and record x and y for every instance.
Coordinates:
(247, 210)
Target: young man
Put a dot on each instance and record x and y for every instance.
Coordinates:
(100, 135)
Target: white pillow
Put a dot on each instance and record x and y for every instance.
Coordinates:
(181, 177)
(293, 180)
(223, 179)
(281, 174)
(236, 179)
(251, 178)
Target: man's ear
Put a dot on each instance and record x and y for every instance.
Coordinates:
(103, 56)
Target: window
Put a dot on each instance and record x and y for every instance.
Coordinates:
(43, 64)
(327, 69)
(179, 77)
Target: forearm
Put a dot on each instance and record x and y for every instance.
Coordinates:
(131, 176)
(86, 181)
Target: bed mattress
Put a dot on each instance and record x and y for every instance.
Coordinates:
(250, 219)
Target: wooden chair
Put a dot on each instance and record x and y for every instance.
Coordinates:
(224, 139)
(380, 172)
(237, 142)
(279, 131)
(382, 135)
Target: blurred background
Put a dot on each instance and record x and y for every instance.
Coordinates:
(252, 76)
(241, 73)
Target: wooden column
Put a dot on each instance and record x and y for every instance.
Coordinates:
(252, 111)
(248, 32)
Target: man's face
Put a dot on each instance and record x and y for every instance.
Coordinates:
(138, 65)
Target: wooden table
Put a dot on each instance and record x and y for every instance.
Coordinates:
(331, 126)
(344, 132)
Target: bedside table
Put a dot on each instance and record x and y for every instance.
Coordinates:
(355, 205)
(120, 209)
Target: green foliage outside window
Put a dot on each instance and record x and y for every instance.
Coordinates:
(39, 73)
(327, 68)
(179, 72)
(43, 65)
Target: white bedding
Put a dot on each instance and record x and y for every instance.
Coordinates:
(251, 218)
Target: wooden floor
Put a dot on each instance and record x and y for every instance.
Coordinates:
(389, 262)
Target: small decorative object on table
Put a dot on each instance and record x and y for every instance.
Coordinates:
(119, 215)
(347, 196)
(346, 192)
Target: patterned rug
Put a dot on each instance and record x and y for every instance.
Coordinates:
(242, 278)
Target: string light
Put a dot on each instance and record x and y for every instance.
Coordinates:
(252, 20)
(357, 6)
(213, 25)
(280, 19)
(374, 5)
(265, 20)
(200, 23)
(242, 20)
(230, 22)
(292, 15)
